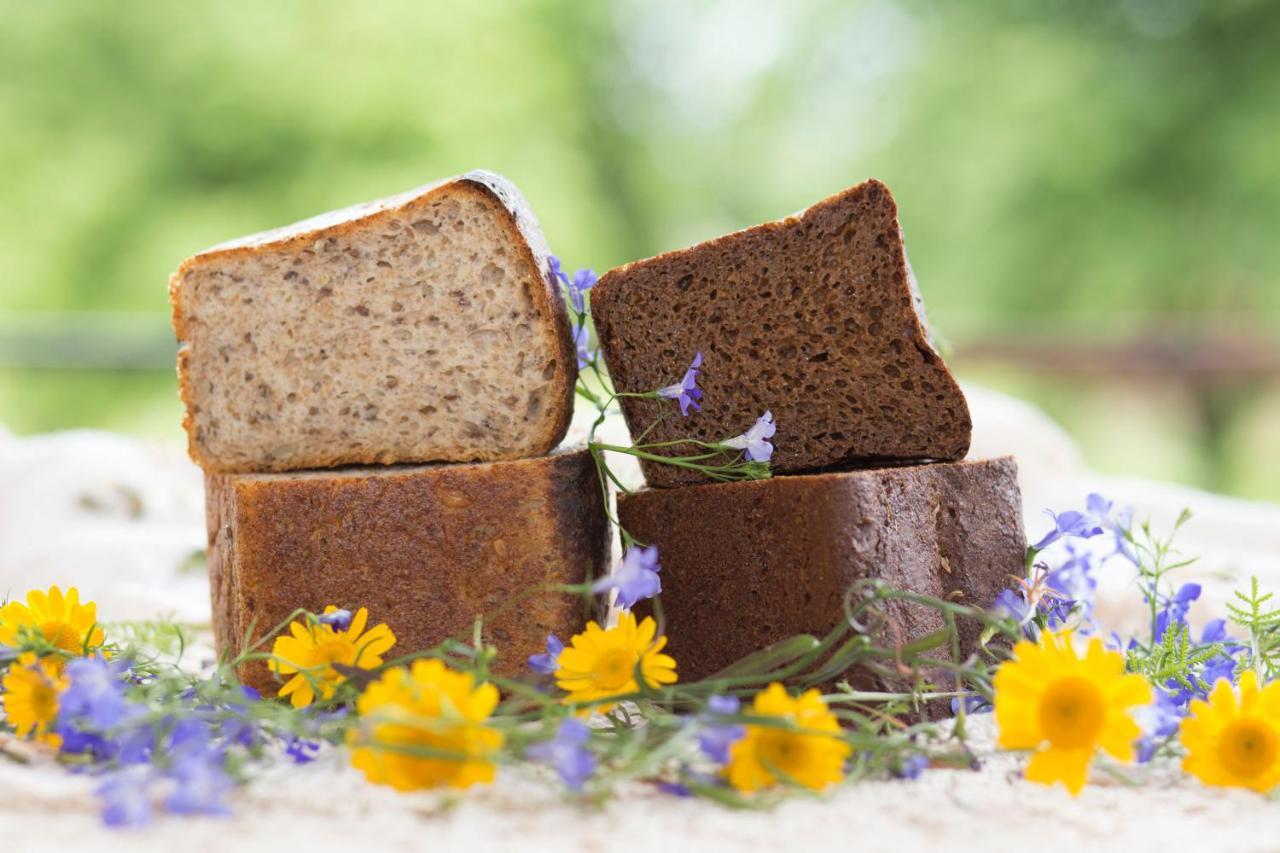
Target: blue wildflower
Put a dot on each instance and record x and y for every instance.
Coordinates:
(972, 705)
(202, 784)
(549, 661)
(1159, 721)
(713, 740)
(339, 620)
(1070, 523)
(686, 392)
(567, 753)
(93, 704)
(1099, 509)
(581, 343)
(301, 750)
(675, 789)
(912, 766)
(1174, 611)
(126, 797)
(554, 270)
(755, 441)
(583, 280)
(636, 579)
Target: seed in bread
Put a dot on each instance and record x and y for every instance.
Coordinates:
(815, 318)
(421, 327)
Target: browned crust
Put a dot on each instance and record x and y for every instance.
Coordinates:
(748, 564)
(521, 228)
(425, 548)
(610, 315)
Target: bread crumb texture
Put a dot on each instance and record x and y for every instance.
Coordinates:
(815, 318)
(420, 330)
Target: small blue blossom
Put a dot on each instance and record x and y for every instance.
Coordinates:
(686, 392)
(1159, 721)
(636, 579)
(675, 789)
(581, 343)
(1174, 611)
(554, 270)
(549, 661)
(567, 753)
(972, 705)
(339, 620)
(715, 740)
(912, 766)
(755, 441)
(202, 784)
(126, 797)
(1099, 510)
(583, 280)
(1070, 523)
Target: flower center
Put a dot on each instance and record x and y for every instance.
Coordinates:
(783, 750)
(1071, 713)
(44, 702)
(63, 636)
(1248, 747)
(335, 651)
(615, 668)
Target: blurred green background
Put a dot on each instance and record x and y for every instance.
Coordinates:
(1090, 190)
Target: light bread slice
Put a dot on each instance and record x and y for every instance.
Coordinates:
(420, 327)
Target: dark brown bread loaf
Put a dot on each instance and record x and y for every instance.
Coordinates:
(748, 564)
(425, 548)
(417, 328)
(815, 318)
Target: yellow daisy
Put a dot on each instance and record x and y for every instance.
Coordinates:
(1063, 707)
(812, 754)
(31, 688)
(599, 664)
(312, 649)
(61, 621)
(1235, 744)
(425, 727)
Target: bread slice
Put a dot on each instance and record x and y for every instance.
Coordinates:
(425, 548)
(747, 564)
(421, 327)
(816, 318)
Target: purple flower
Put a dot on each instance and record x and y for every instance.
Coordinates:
(675, 789)
(301, 750)
(636, 579)
(202, 784)
(714, 741)
(972, 705)
(912, 766)
(126, 797)
(581, 343)
(1099, 509)
(1174, 612)
(93, 704)
(339, 620)
(755, 441)
(686, 392)
(1070, 523)
(548, 662)
(554, 271)
(1159, 720)
(583, 280)
(567, 753)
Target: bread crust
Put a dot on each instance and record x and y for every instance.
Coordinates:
(426, 548)
(521, 227)
(748, 564)
(635, 336)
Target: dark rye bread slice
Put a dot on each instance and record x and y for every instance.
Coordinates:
(747, 564)
(421, 327)
(425, 548)
(816, 318)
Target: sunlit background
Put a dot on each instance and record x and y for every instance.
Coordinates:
(1090, 190)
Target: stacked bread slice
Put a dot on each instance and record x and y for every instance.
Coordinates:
(420, 335)
(816, 319)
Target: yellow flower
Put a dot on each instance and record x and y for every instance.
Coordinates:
(31, 688)
(599, 664)
(424, 727)
(1063, 707)
(312, 650)
(61, 621)
(812, 754)
(1235, 744)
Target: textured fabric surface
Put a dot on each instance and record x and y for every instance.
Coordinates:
(119, 520)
